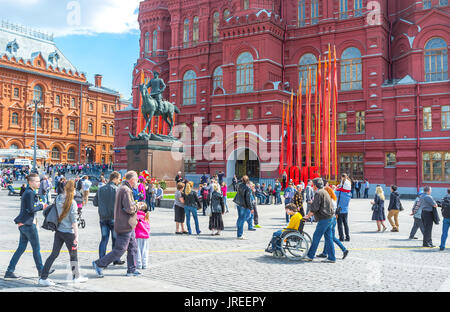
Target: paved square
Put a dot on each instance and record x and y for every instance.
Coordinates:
(376, 262)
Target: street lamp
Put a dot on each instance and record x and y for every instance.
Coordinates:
(37, 96)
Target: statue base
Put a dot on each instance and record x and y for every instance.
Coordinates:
(163, 160)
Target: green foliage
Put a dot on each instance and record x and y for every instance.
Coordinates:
(93, 189)
(163, 184)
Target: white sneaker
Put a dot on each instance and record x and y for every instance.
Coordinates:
(242, 238)
(46, 282)
(80, 279)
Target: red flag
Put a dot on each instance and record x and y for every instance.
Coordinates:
(335, 93)
(282, 143)
(319, 117)
(299, 125)
(330, 94)
(289, 133)
(326, 114)
(308, 120)
(140, 120)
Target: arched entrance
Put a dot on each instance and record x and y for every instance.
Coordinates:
(242, 162)
(90, 155)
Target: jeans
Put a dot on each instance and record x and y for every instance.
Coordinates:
(276, 243)
(342, 222)
(244, 215)
(335, 240)
(125, 242)
(254, 218)
(287, 201)
(106, 227)
(188, 210)
(152, 205)
(277, 198)
(358, 193)
(142, 254)
(427, 219)
(269, 200)
(417, 224)
(323, 228)
(205, 206)
(445, 227)
(60, 239)
(262, 198)
(366, 193)
(28, 233)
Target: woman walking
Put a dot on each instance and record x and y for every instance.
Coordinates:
(66, 233)
(178, 207)
(191, 204)
(224, 190)
(378, 208)
(217, 209)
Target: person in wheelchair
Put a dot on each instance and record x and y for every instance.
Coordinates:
(295, 224)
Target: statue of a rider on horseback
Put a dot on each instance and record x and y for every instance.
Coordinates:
(153, 104)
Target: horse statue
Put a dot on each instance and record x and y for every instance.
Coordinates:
(150, 109)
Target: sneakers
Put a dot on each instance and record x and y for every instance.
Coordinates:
(258, 226)
(50, 272)
(12, 276)
(307, 259)
(80, 279)
(135, 273)
(345, 254)
(97, 269)
(322, 255)
(252, 229)
(46, 282)
(119, 262)
(242, 238)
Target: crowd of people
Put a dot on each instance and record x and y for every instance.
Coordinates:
(124, 207)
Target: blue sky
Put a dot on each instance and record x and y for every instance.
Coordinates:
(97, 36)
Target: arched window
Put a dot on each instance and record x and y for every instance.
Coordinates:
(343, 9)
(37, 93)
(39, 120)
(226, 14)
(195, 35)
(56, 154)
(186, 33)
(216, 21)
(56, 123)
(147, 43)
(71, 154)
(301, 13)
(217, 78)
(14, 146)
(358, 7)
(72, 125)
(308, 62)
(436, 60)
(103, 130)
(111, 131)
(351, 69)
(15, 119)
(244, 73)
(90, 128)
(189, 88)
(246, 4)
(155, 40)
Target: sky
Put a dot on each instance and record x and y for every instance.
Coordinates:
(97, 36)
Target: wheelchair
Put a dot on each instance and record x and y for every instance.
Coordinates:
(294, 244)
(80, 220)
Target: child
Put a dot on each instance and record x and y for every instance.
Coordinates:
(153, 199)
(294, 224)
(142, 232)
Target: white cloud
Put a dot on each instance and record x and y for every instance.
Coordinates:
(66, 17)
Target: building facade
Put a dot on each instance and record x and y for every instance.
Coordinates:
(233, 63)
(75, 119)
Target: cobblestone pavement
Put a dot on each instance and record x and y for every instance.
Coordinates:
(376, 262)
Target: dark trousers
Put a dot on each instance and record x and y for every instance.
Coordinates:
(107, 229)
(417, 224)
(60, 239)
(358, 193)
(255, 215)
(342, 221)
(205, 206)
(427, 219)
(28, 233)
(125, 242)
(158, 203)
(366, 193)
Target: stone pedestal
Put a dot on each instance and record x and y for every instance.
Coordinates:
(163, 160)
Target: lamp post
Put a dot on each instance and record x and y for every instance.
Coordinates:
(35, 102)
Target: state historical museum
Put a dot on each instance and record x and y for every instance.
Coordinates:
(234, 63)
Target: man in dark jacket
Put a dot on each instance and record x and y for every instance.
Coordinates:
(244, 205)
(26, 221)
(394, 208)
(323, 211)
(445, 205)
(427, 205)
(105, 200)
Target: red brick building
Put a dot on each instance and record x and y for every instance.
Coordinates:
(234, 62)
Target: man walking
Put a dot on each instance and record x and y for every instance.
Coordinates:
(417, 213)
(366, 188)
(309, 197)
(86, 185)
(125, 221)
(427, 205)
(105, 200)
(26, 221)
(322, 209)
(446, 223)
(244, 205)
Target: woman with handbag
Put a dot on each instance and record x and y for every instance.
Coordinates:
(378, 209)
(66, 233)
(216, 209)
(191, 205)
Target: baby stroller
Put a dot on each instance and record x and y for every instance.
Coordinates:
(80, 220)
(292, 244)
(79, 200)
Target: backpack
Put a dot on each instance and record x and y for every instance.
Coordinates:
(51, 217)
(205, 194)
